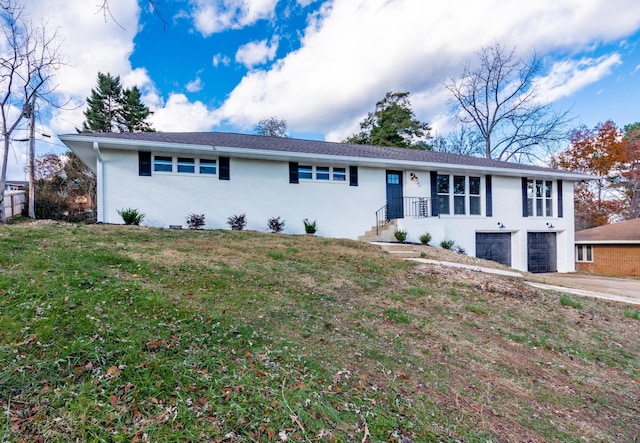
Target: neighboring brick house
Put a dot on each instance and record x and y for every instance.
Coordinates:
(610, 249)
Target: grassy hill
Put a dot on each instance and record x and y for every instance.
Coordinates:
(113, 333)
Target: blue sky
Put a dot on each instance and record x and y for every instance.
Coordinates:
(322, 64)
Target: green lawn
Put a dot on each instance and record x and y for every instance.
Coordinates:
(120, 333)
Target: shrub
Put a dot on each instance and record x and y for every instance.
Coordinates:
(447, 244)
(131, 216)
(275, 225)
(400, 235)
(310, 227)
(195, 221)
(425, 238)
(237, 222)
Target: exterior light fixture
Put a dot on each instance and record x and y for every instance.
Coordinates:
(500, 225)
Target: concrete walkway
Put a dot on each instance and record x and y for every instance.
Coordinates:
(624, 298)
(584, 293)
(625, 290)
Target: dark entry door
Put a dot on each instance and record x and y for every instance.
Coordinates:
(494, 246)
(395, 206)
(542, 252)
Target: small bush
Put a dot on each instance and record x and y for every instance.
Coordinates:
(237, 222)
(310, 227)
(400, 235)
(195, 221)
(275, 225)
(447, 244)
(425, 238)
(131, 216)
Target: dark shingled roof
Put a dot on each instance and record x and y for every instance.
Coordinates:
(623, 231)
(292, 145)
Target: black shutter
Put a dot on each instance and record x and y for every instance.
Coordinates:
(223, 168)
(560, 206)
(144, 163)
(525, 211)
(293, 172)
(435, 210)
(353, 176)
(489, 196)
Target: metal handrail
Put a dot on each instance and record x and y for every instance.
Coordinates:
(415, 207)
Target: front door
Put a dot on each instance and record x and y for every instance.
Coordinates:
(395, 204)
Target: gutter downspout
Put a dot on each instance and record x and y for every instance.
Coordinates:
(99, 183)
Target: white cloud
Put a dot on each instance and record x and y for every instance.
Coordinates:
(220, 60)
(179, 114)
(195, 85)
(353, 51)
(256, 53)
(569, 76)
(211, 16)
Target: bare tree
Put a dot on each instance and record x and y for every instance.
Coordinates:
(105, 9)
(271, 126)
(500, 98)
(464, 140)
(28, 58)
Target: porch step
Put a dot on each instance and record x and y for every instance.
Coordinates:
(385, 234)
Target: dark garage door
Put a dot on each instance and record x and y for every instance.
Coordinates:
(541, 252)
(494, 246)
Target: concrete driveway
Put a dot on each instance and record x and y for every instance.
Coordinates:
(612, 288)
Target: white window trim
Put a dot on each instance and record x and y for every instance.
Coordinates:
(174, 165)
(314, 174)
(551, 201)
(467, 196)
(584, 253)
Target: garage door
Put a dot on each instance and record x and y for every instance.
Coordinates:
(541, 252)
(494, 246)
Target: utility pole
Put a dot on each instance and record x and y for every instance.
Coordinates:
(31, 111)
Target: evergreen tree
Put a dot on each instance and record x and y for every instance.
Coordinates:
(114, 109)
(103, 105)
(393, 123)
(133, 112)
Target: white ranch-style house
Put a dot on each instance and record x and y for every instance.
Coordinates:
(516, 214)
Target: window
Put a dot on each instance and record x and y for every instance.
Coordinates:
(162, 164)
(584, 253)
(442, 185)
(540, 198)
(459, 207)
(460, 192)
(305, 172)
(474, 195)
(322, 173)
(207, 166)
(186, 165)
